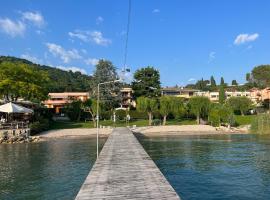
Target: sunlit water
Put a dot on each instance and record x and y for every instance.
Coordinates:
(205, 167)
(214, 167)
(49, 170)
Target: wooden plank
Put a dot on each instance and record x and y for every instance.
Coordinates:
(125, 171)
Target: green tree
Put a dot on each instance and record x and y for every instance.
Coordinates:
(199, 106)
(202, 85)
(74, 110)
(59, 80)
(149, 105)
(239, 104)
(165, 107)
(222, 95)
(212, 81)
(222, 82)
(220, 114)
(234, 82)
(90, 106)
(109, 93)
(261, 75)
(21, 80)
(178, 107)
(248, 77)
(146, 82)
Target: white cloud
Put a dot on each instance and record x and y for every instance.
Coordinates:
(73, 69)
(191, 80)
(65, 55)
(90, 36)
(99, 20)
(91, 61)
(244, 38)
(212, 56)
(31, 58)
(155, 10)
(34, 17)
(11, 27)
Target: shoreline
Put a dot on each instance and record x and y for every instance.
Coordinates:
(169, 130)
(74, 133)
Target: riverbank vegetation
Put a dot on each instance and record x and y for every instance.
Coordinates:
(23, 79)
(261, 124)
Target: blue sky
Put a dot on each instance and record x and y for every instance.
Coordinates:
(185, 39)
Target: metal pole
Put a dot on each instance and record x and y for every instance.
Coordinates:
(97, 118)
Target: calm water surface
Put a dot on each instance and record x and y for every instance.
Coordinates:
(214, 167)
(49, 170)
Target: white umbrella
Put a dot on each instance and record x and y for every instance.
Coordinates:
(14, 108)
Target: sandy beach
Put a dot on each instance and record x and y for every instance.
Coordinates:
(76, 132)
(147, 131)
(185, 130)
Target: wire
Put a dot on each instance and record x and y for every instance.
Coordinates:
(127, 36)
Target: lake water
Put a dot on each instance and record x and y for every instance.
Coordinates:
(214, 167)
(49, 170)
(205, 167)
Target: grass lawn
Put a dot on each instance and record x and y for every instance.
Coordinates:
(89, 124)
(244, 120)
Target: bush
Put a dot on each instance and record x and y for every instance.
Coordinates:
(156, 122)
(134, 114)
(261, 124)
(74, 110)
(39, 126)
(121, 114)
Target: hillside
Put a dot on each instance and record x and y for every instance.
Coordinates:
(60, 80)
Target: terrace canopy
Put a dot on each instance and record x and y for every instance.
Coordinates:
(14, 108)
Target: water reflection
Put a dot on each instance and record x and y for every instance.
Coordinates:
(47, 170)
(214, 167)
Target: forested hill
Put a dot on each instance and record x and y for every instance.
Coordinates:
(60, 80)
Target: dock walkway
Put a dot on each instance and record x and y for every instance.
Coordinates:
(125, 171)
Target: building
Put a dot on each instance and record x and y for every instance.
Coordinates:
(178, 92)
(127, 97)
(57, 101)
(260, 95)
(214, 96)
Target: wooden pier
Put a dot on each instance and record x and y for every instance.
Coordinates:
(125, 171)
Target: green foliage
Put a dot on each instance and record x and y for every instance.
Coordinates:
(213, 85)
(202, 85)
(149, 105)
(74, 110)
(220, 114)
(59, 80)
(234, 83)
(244, 120)
(109, 93)
(222, 82)
(90, 106)
(261, 75)
(248, 77)
(199, 106)
(178, 107)
(239, 104)
(21, 80)
(146, 82)
(39, 126)
(261, 124)
(165, 105)
(222, 95)
(121, 114)
(156, 122)
(135, 114)
(171, 105)
(213, 82)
